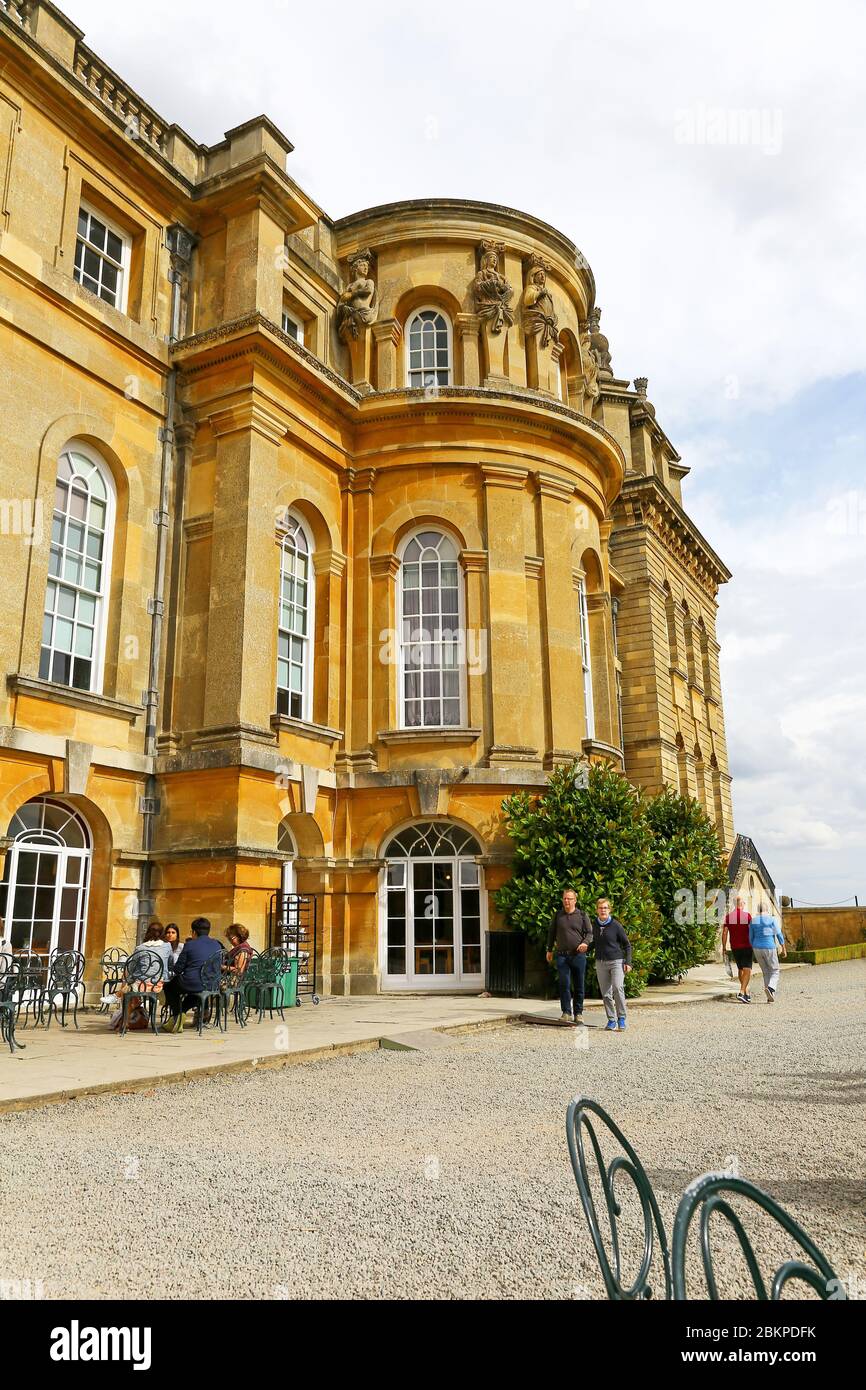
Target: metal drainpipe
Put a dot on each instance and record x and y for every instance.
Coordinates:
(180, 243)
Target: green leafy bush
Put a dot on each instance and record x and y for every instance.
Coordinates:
(592, 831)
(594, 839)
(687, 860)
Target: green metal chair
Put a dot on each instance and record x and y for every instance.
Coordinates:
(211, 978)
(663, 1267)
(142, 969)
(264, 988)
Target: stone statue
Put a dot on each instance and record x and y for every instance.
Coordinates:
(492, 291)
(356, 307)
(600, 346)
(539, 315)
(591, 387)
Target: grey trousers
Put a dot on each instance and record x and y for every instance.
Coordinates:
(769, 963)
(611, 981)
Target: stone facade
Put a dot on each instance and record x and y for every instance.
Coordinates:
(259, 375)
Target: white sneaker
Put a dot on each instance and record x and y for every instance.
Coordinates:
(771, 995)
(566, 1018)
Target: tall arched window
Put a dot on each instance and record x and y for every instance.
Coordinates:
(43, 896)
(586, 658)
(79, 572)
(296, 621)
(428, 346)
(432, 645)
(432, 932)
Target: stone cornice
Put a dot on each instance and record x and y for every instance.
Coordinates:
(644, 501)
(226, 334)
(388, 330)
(533, 566)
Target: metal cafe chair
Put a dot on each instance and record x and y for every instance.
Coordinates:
(283, 958)
(233, 991)
(8, 1005)
(211, 978)
(584, 1120)
(112, 962)
(142, 971)
(264, 986)
(65, 975)
(26, 991)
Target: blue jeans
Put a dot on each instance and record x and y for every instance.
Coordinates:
(572, 975)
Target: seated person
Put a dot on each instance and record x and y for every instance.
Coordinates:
(240, 950)
(187, 971)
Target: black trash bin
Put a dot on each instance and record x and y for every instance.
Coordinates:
(506, 962)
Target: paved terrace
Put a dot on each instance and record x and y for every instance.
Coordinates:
(59, 1065)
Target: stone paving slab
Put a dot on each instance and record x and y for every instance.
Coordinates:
(60, 1065)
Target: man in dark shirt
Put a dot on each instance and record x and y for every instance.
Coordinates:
(187, 971)
(612, 964)
(571, 933)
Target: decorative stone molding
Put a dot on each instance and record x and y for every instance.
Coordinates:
(283, 723)
(198, 528)
(533, 566)
(474, 561)
(390, 736)
(388, 331)
(357, 480)
(76, 767)
(384, 566)
(77, 699)
(551, 485)
(224, 333)
(512, 753)
(248, 416)
(507, 475)
(330, 562)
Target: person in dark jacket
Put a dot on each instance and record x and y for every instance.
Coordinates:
(187, 971)
(571, 934)
(612, 963)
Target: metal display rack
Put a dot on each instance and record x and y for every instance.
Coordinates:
(293, 927)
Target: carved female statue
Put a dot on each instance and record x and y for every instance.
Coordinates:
(590, 370)
(492, 291)
(356, 307)
(539, 315)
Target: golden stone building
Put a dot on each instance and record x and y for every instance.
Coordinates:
(318, 539)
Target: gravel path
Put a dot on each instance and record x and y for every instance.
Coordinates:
(442, 1173)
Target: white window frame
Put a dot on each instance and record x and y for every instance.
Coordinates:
(307, 666)
(407, 334)
(100, 630)
(28, 842)
(586, 659)
(431, 983)
(401, 645)
(123, 264)
(290, 317)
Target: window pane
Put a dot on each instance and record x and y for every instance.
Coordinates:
(115, 247)
(97, 233)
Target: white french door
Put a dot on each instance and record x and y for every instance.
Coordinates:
(432, 932)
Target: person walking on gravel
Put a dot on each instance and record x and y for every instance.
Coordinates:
(612, 964)
(571, 933)
(735, 933)
(765, 936)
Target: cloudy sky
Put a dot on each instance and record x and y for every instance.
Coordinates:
(708, 162)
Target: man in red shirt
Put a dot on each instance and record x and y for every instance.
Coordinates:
(735, 931)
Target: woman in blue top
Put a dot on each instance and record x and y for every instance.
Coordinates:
(765, 935)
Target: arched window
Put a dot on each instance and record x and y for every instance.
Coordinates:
(79, 572)
(432, 647)
(43, 896)
(428, 346)
(296, 621)
(433, 918)
(586, 658)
